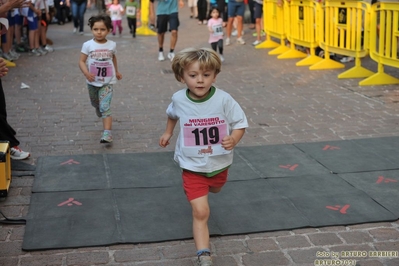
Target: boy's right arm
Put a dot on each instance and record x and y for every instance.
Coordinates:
(167, 135)
(82, 65)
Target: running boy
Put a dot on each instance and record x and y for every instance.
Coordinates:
(99, 65)
(211, 125)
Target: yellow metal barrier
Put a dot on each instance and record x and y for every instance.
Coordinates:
(344, 29)
(302, 31)
(268, 43)
(145, 13)
(384, 48)
(292, 52)
(274, 26)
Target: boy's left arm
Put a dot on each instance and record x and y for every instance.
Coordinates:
(118, 75)
(230, 141)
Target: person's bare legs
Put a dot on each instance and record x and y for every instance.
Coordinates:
(201, 212)
(173, 39)
(161, 37)
(107, 123)
(239, 26)
(258, 28)
(229, 26)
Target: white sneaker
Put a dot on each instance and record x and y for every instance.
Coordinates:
(14, 54)
(255, 43)
(75, 30)
(235, 33)
(227, 41)
(171, 56)
(34, 52)
(347, 59)
(8, 57)
(17, 154)
(48, 48)
(160, 56)
(221, 58)
(42, 51)
(240, 40)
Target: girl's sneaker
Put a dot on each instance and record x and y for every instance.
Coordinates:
(204, 261)
(17, 154)
(106, 138)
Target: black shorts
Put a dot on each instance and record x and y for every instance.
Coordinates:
(164, 20)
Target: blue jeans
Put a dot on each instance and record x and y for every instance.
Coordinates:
(78, 12)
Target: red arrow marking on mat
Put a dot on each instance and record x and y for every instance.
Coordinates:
(328, 147)
(288, 166)
(338, 207)
(70, 161)
(69, 202)
(385, 180)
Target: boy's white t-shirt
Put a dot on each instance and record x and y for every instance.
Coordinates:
(202, 128)
(99, 61)
(116, 12)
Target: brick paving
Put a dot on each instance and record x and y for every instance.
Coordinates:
(283, 103)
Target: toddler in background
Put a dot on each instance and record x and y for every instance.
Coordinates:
(116, 11)
(132, 8)
(215, 26)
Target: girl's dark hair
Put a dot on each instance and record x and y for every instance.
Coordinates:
(101, 17)
(213, 8)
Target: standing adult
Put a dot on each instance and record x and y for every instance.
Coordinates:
(78, 8)
(7, 133)
(167, 15)
(258, 20)
(235, 9)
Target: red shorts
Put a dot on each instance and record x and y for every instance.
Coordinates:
(196, 186)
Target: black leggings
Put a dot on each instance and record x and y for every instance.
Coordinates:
(132, 22)
(218, 44)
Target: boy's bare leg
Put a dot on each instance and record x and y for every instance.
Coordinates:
(201, 212)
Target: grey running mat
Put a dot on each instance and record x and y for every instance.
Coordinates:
(349, 156)
(95, 200)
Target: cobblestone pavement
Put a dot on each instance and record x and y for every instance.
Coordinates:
(283, 103)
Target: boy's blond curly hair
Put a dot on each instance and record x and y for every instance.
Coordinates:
(207, 58)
